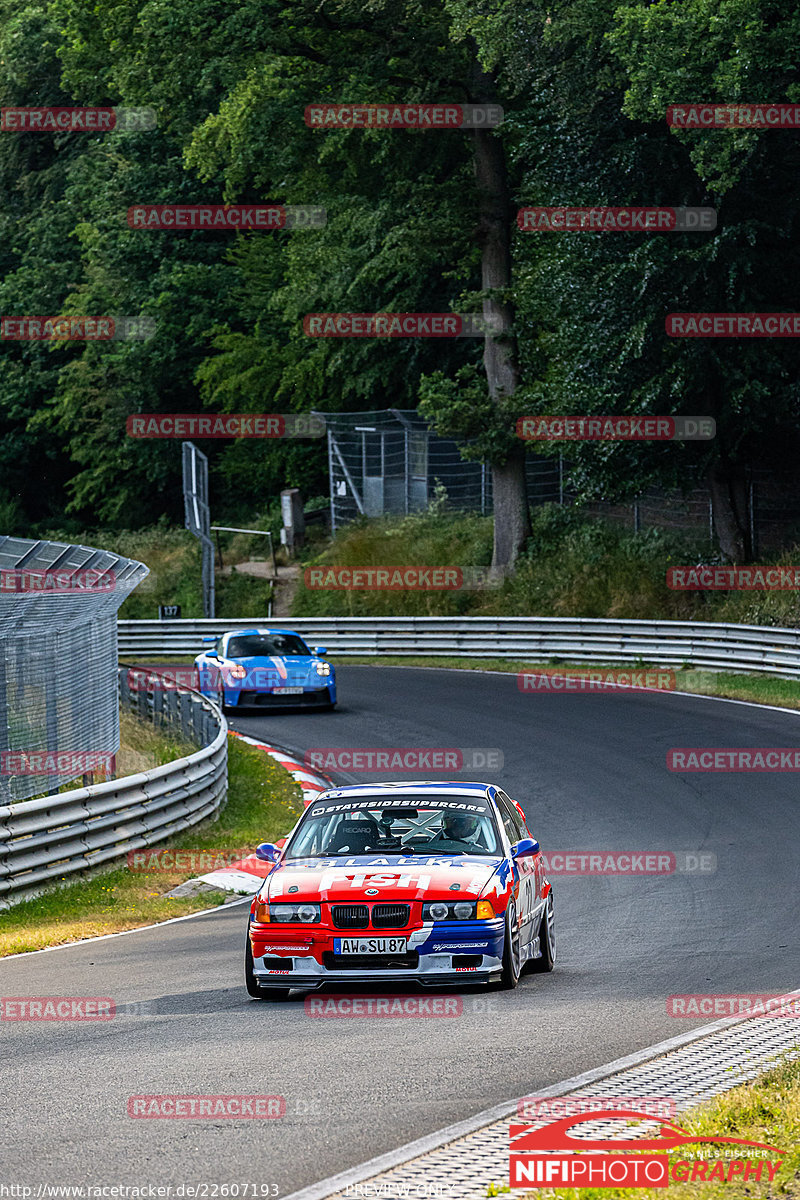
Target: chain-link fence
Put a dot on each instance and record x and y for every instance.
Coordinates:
(389, 462)
(59, 712)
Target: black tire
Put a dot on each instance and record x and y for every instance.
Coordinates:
(512, 967)
(254, 989)
(547, 939)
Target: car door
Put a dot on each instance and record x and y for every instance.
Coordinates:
(516, 829)
(212, 669)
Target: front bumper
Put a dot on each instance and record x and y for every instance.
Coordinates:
(442, 953)
(309, 698)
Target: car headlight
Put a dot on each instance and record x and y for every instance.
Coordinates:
(323, 668)
(438, 910)
(237, 671)
(287, 913)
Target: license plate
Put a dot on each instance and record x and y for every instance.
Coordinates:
(287, 691)
(375, 945)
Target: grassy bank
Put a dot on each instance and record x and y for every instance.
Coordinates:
(764, 1110)
(573, 565)
(263, 803)
(173, 556)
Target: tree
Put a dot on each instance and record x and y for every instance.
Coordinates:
(592, 84)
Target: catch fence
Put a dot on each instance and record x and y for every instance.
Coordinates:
(58, 661)
(389, 462)
(56, 838)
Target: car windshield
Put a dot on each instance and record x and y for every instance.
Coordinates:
(262, 645)
(440, 825)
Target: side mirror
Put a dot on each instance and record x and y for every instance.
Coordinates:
(267, 852)
(320, 649)
(525, 848)
(210, 638)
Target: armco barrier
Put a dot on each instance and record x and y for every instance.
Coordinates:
(53, 837)
(773, 651)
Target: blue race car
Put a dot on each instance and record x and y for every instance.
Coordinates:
(265, 668)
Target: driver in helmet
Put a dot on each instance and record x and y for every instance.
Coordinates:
(458, 827)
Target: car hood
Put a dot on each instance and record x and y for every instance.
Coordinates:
(390, 877)
(284, 670)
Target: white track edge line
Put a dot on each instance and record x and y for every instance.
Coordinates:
(433, 1141)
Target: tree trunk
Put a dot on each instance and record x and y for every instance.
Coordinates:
(727, 483)
(511, 516)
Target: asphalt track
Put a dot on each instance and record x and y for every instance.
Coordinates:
(589, 770)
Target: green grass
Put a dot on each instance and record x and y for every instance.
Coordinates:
(767, 1109)
(573, 565)
(263, 803)
(173, 557)
(141, 747)
(421, 539)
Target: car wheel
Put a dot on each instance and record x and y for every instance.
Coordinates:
(547, 939)
(511, 950)
(254, 988)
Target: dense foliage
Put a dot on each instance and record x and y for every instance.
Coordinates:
(584, 86)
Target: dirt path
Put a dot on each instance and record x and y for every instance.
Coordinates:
(284, 587)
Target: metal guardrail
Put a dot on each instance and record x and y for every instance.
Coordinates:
(756, 648)
(55, 836)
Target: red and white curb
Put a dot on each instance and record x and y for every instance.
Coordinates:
(244, 877)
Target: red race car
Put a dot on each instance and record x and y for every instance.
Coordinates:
(437, 883)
